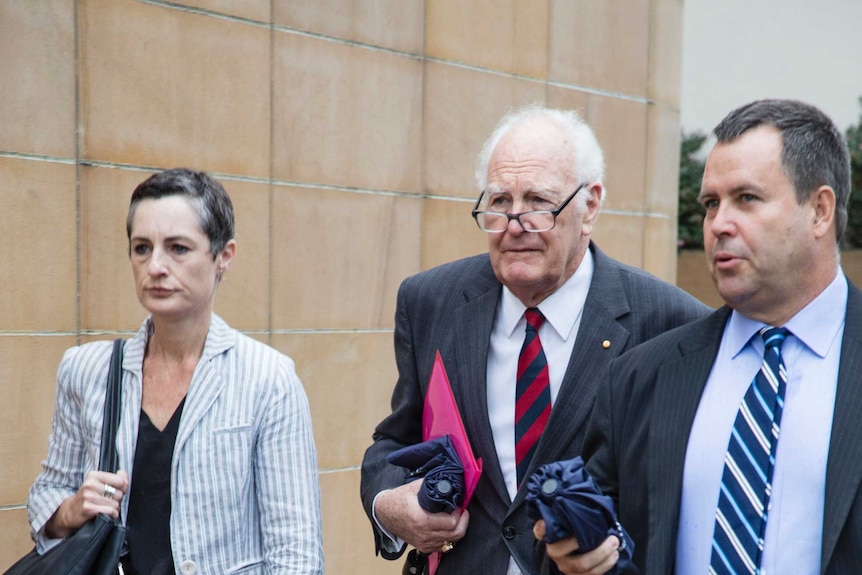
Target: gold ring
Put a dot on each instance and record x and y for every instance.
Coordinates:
(447, 546)
(109, 492)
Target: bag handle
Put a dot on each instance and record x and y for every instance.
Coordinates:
(108, 459)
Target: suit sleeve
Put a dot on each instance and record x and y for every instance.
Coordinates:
(62, 471)
(71, 452)
(599, 446)
(402, 427)
(286, 479)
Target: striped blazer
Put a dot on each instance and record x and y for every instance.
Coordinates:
(244, 488)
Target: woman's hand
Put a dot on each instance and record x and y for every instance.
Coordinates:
(101, 492)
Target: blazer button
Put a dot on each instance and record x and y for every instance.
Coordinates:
(188, 567)
(509, 532)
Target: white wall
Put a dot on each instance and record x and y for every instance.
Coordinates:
(735, 51)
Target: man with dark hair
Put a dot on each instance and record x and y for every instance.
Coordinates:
(540, 182)
(733, 444)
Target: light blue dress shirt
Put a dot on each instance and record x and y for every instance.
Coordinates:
(811, 355)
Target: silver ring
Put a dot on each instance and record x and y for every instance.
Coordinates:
(108, 492)
(447, 546)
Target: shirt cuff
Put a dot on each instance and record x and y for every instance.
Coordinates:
(388, 542)
(44, 543)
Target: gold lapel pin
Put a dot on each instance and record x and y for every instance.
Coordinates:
(606, 344)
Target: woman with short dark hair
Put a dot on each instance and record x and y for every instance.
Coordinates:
(218, 464)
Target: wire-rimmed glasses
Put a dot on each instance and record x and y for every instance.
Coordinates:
(533, 221)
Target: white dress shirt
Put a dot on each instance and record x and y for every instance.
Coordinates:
(795, 524)
(562, 311)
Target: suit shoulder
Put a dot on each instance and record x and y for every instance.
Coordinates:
(82, 366)
(454, 268)
(252, 351)
(452, 275)
(647, 282)
(255, 369)
(651, 305)
(87, 356)
(670, 340)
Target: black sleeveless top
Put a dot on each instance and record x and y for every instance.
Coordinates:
(148, 534)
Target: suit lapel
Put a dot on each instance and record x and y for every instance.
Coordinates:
(474, 321)
(678, 389)
(206, 386)
(605, 304)
(207, 383)
(130, 419)
(844, 465)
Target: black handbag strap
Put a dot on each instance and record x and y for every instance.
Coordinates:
(108, 460)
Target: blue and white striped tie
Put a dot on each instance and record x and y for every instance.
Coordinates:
(740, 522)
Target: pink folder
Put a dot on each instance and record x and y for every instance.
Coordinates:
(440, 416)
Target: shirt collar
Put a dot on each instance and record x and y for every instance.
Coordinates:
(815, 325)
(220, 336)
(561, 309)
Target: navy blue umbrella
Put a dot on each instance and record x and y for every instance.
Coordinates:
(564, 495)
(438, 465)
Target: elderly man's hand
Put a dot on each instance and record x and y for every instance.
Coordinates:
(596, 562)
(399, 512)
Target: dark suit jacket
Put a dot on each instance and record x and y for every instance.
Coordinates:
(639, 431)
(452, 308)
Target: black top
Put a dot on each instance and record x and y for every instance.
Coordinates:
(148, 534)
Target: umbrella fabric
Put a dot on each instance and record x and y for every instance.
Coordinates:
(435, 462)
(565, 496)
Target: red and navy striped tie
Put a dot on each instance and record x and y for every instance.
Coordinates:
(743, 503)
(532, 394)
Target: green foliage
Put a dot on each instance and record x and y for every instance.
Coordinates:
(690, 217)
(853, 235)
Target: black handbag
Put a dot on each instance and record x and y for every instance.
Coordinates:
(95, 548)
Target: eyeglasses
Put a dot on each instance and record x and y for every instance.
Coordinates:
(535, 221)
